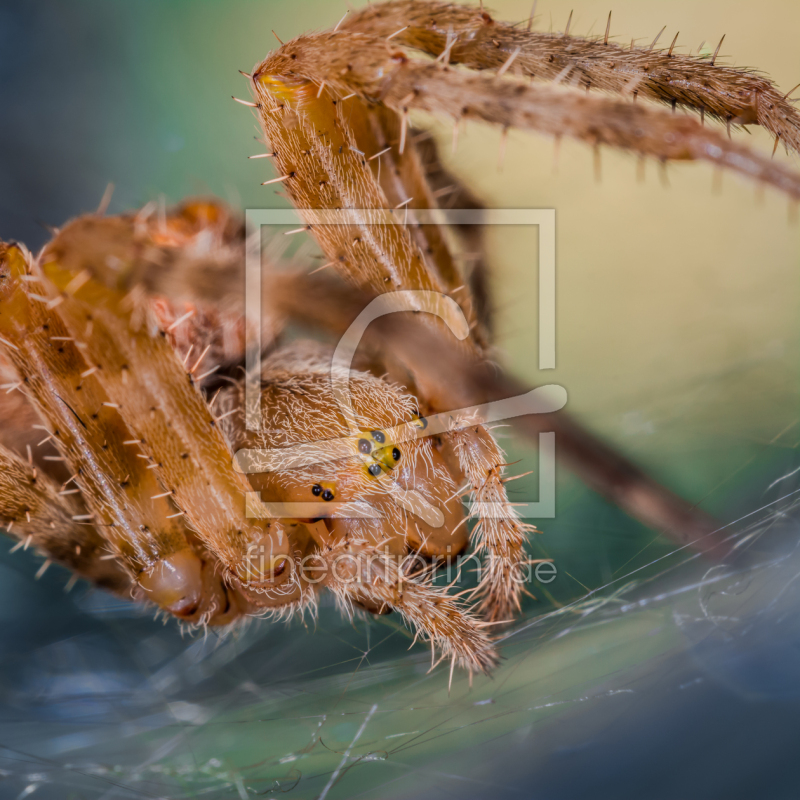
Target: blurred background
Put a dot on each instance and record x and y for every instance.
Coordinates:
(641, 670)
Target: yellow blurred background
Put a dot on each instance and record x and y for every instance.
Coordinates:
(661, 288)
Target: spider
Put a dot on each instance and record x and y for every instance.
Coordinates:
(125, 337)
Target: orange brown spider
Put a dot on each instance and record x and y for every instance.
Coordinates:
(126, 335)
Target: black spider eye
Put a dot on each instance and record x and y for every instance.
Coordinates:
(375, 469)
(378, 437)
(316, 490)
(396, 454)
(364, 446)
(327, 495)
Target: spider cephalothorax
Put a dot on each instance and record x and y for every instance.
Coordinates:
(127, 336)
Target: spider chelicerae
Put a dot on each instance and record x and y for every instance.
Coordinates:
(124, 339)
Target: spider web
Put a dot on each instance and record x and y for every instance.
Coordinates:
(641, 669)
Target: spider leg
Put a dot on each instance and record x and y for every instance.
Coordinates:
(414, 178)
(499, 535)
(126, 502)
(355, 569)
(193, 268)
(169, 422)
(468, 35)
(21, 428)
(326, 168)
(450, 192)
(377, 71)
(34, 511)
(315, 143)
(402, 176)
(56, 519)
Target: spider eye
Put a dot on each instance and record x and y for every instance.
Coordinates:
(379, 437)
(374, 470)
(419, 421)
(364, 446)
(279, 568)
(327, 489)
(396, 454)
